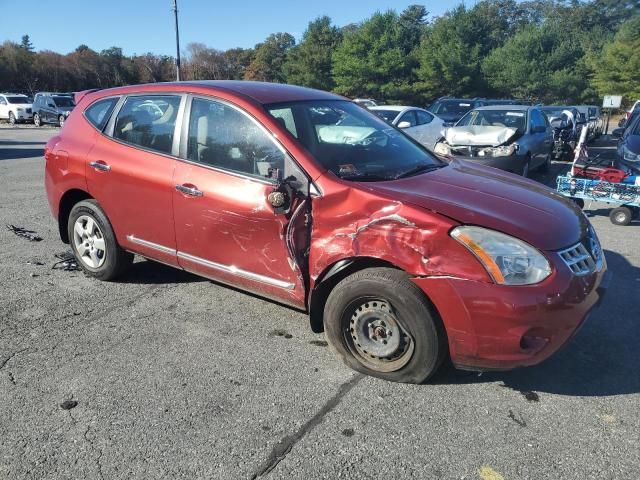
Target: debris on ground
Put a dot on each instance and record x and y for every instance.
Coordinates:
(66, 262)
(68, 404)
(23, 232)
(36, 263)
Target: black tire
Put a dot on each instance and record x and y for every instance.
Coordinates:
(526, 169)
(621, 216)
(61, 121)
(12, 118)
(546, 166)
(116, 260)
(422, 342)
(37, 121)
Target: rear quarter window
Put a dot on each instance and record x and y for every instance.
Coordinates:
(99, 112)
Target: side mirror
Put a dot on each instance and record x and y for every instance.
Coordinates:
(404, 125)
(280, 197)
(617, 133)
(539, 129)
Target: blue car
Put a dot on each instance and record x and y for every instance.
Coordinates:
(628, 152)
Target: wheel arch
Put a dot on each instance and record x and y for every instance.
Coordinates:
(68, 200)
(330, 277)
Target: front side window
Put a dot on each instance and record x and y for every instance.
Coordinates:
(355, 144)
(408, 117)
(222, 136)
(148, 121)
(61, 101)
(99, 112)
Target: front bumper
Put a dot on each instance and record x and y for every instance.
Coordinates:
(23, 116)
(500, 327)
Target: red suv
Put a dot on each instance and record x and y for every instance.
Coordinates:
(303, 197)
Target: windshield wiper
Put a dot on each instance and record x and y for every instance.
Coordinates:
(365, 177)
(419, 169)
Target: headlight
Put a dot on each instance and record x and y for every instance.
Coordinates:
(66, 114)
(508, 261)
(20, 109)
(442, 148)
(629, 156)
(504, 151)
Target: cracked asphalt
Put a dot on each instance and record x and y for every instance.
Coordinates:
(167, 375)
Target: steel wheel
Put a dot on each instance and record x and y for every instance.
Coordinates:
(89, 242)
(12, 118)
(376, 337)
(36, 120)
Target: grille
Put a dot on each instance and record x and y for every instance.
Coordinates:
(578, 260)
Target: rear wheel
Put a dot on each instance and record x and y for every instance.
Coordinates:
(12, 118)
(93, 242)
(381, 324)
(621, 216)
(36, 120)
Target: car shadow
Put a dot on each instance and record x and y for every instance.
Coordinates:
(19, 153)
(4, 143)
(148, 272)
(601, 360)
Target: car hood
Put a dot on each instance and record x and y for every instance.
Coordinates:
(479, 135)
(478, 195)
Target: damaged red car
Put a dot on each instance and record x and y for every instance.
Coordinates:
(303, 197)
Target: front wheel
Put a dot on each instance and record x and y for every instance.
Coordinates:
(61, 121)
(36, 120)
(12, 118)
(381, 324)
(94, 244)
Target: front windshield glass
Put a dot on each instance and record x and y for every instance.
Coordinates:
(456, 107)
(495, 118)
(386, 115)
(352, 142)
(19, 100)
(64, 101)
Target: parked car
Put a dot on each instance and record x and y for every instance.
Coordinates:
(488, 102)
(425, 127)
(590, 118)
(450, 110)
(515, 138)
(51, 108)
(567, 123)
(304, 197)
(366, 102)
(627, 114)
(597, 120)
(15, 107)
(628, 150)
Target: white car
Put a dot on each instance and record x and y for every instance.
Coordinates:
(424, 126)
(15, 108)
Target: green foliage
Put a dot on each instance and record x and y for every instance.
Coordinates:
(617, 67)
(269, 58)
(376, 59)
(309, 63)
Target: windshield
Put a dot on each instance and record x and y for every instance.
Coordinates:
(386, 115)
(352, 142)
(19, 100)
(495, 118)
(456, 107)
(64, 101)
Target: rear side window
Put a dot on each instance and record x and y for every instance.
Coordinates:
(98, 114)
(148, 121)
(408, 117)
(423, 117)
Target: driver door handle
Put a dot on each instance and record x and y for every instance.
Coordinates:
(189, 190)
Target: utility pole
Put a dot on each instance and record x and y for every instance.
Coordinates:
(175, 13)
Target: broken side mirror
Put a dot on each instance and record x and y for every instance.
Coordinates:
(281, 196)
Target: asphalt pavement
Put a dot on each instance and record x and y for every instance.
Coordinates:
(167, 375)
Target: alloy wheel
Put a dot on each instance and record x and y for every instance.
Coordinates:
(89, 242)
(12, 118)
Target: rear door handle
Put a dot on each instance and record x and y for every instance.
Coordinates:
(100, 165)
(189, 190)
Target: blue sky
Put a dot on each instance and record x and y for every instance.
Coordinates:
(140, 26)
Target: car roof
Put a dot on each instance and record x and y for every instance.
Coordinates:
(261, 92)
(522, 108)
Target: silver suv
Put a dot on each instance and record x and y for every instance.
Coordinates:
(15, 107)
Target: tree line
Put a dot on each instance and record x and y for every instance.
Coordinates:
(566, 51)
